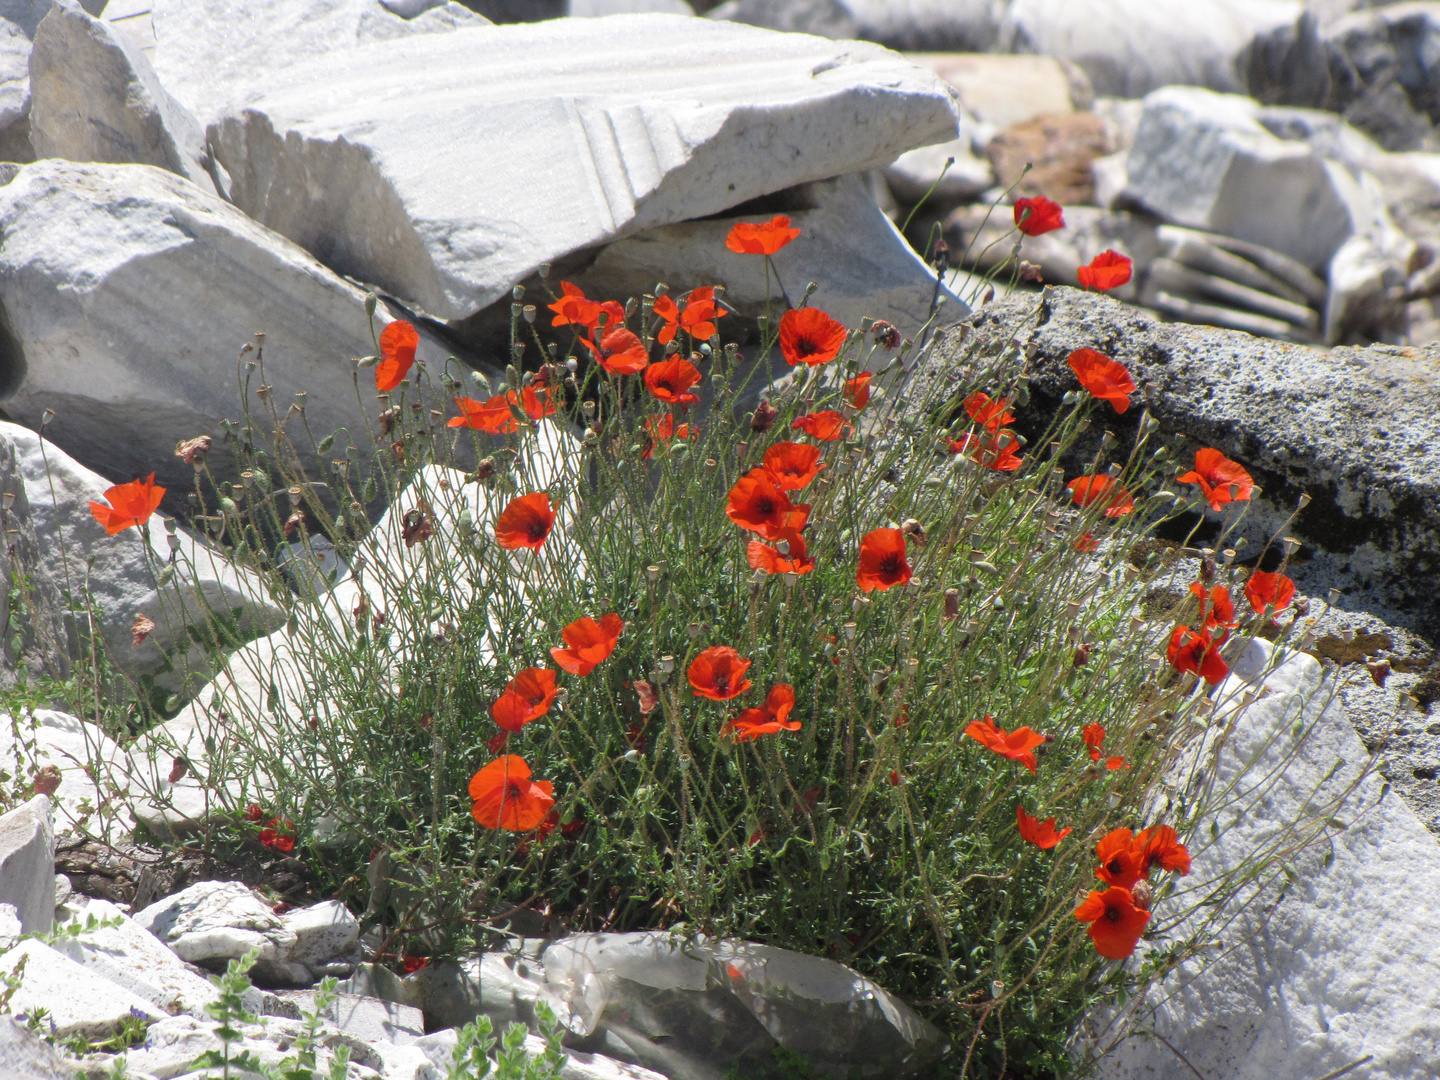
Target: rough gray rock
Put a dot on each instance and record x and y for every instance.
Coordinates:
(94, 97)
(120, 574)
(208, 50)
(31, 605)
(1389, 85)
(322, 932)
(589, 9)
(27, 864)
(1355, 428)
(104, 332)
(213, 922)
(623, 133)
(1342, 968)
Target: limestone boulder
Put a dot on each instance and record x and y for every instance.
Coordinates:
(1332, 970)
(103, 334)
(125, 576)
(76, 1000)
(27, 864)
(856, 257)
(591, 9)
(27, 1056)
(1393, 87)
(94, 97)
(1205, 161)
(207, 50)
(1000, 90)
(359, 156)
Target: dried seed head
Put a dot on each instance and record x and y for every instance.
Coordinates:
(1379, 671)
(849, 631)
(913, 529)
(485, 468)
(952, 603)
(763, 417)
(1142, 895)
(193, 451)
(667, 664)
(652, 572)
(1301, 606)
(1347, 634)
(1082, 653)
(693, 630)
(886, 335)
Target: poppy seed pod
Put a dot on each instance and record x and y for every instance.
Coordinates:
(1347, 634)
(1141, 895)
(667, 664)
(528, 311)
(952, 603)
(652, 573)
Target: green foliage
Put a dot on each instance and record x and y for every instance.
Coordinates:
(471, 1059)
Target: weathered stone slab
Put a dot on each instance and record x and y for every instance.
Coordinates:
(27, 864)
(1354, 428)
(322, 932)
(76, 1000)
(217, 921)
(130, 957)
(623, 133)
(27, 1056)
(899, 24)
(105, 333)
(1338, 971)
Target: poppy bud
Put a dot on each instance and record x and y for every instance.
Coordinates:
(764, 417)
(1141, 895)
(371, 301)
(952, 603)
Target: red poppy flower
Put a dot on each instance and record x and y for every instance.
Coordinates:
(620, 352)
(757, 504)
(1108, 270)
(535, 401)
(526, 522)
(882, 561)
(1040, 833)
(1264, 588)
(1086, 542)
(528, 696)
(398, 342)
(494, 415)
(588, 643)
(1094, 735)
(1016, 745)
(130, 504)
(768, 719)
(987, 412)
(1160, 846)
(792, 465)
(572, 309)
(659, 431)
(506, 798)
(718, 673)
(697, 319)
(1087, 490)
(277, 835)
(809, 336)
(1216, 609)
(1115, 922)
(760, 238)
(769, 559)
(1221, 480)
(412, 964)
(997, 452)
(857, 390)
(1121, 862)
(1198, 653)
(1105, 378)
(1037, 216)
(670, 380)
(253, 812)
(826, 426)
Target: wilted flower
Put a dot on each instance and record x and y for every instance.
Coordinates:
(193, 451)
(768, 719)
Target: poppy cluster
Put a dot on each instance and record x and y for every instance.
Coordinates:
(696, 318)
(275, 834)
(1197, 650)
(497, 415)
(1118, 915)
(996, 448)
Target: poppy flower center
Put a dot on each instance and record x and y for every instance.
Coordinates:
(1113, 914)
(1116, 867)
(536, 530)
(765, 505)
(890, 565)
(806, 347)
(513, 790)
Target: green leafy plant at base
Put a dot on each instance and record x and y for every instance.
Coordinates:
(471, 1059)
(881, 831)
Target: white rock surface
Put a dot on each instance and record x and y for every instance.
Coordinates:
(10, 928)
(917, 172)
(1000, 90)
(103, 332)
(1131, 47)
(121, 572)
(207, 50)
(172, 1045)
(132, 958)
(322, 932)
(1345, 966)
(217, 920)
(900, 24)
(27, 864)
(27, 1056)
(591, 131)
(374, 1020)
(94, 97)
(48, 737)
(1204, 160)
(589, 9)
(440, 1046)
(14, 73)
(77, 1001)
(847, 246)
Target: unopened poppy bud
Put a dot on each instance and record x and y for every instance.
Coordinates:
(1379, 671)
(952, 603)
(366, 361)
(1141, 895)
